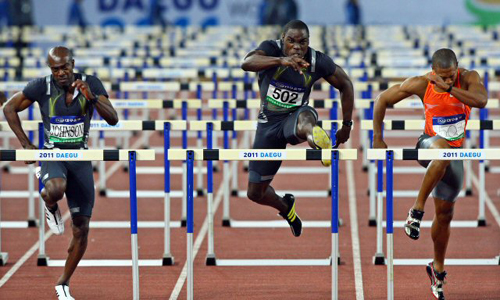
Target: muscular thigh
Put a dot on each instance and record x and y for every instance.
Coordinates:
(80, 188)
(450, 185)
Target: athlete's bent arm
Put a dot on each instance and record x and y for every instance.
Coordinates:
(101, 104)
(16, 104)
(396, 93)
(343, 83)
(257, 60)
(476, 94)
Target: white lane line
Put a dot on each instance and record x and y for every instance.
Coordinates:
(489, 203)
(197, 244)
(27, 255)
(353, 215)
(48, 234)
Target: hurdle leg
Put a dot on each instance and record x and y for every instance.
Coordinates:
(189, 200)
(389, 226)
(199, 169)
(126, 145)
(4, 256)
(43, 259)
(168, 259)
(32, 222)
(379, 258)
(468, 171)
(184, 190)
(133, 224)
(371, 191)
(226, 219)
(234, 173)
(335, 221)
(210, 259)
(481, 219)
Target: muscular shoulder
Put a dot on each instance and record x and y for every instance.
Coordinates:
(325, 64)
(35, 88)
(469, 76)
(414, 85)
(270, 47)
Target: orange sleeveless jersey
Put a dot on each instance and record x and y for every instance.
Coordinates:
(445, 115)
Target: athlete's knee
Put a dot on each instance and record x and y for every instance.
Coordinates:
(54, 189)
(444, 216)
(80, 228)
(306, 120)
(254, 194)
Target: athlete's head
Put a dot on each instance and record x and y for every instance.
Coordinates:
(445, 65)
(61, 63)
(295, 38)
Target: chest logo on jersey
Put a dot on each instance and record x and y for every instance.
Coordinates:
(285, 95)
(66, 129)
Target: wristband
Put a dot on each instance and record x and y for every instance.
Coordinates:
(347, 123)
(95, 100)
(449, 89)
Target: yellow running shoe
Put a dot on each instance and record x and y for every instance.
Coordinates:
(322, 141)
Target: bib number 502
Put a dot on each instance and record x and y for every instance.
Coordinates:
(285, 96)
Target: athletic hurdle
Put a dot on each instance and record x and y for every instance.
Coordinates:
(262, 155)
(389, 155)
(246, 126)
(419, 125)
(90, 155)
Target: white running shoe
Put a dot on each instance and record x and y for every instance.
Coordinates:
(55, 221)
(62, 292)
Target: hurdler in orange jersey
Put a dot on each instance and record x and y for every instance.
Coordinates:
(448, 94)
(445, 115)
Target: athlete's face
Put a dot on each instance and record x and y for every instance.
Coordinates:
(295, 42)
(62, 69)
(449, 75)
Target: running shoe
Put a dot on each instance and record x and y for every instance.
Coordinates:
(321, 140)
(54, 220)
(291, 216)
(62, 292)
(437, 281)
(412, 225)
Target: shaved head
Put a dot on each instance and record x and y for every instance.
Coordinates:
(58, 54)
(444, 59)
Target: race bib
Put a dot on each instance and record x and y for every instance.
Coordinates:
(66, 129)
(285, 95)
(451, 128)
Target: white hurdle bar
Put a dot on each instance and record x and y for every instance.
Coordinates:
(89, 155)
(261, 155)
(389, 155)
(419, 125)
(246, 126)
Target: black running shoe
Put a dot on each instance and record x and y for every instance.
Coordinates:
(412, 225)
(437, 281)
(291, 216)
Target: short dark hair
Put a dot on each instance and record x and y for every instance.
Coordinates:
(444, 58)
(295, 24)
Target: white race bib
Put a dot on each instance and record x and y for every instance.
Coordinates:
(451, 128)
(66, 129)
(285, 95)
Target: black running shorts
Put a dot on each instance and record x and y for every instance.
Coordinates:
(275, 134)
(79, 183)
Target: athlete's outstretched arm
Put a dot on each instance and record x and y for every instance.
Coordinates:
(343, 83)
(391, 96)
(17, 103)
(257, 60)
(476, 94)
